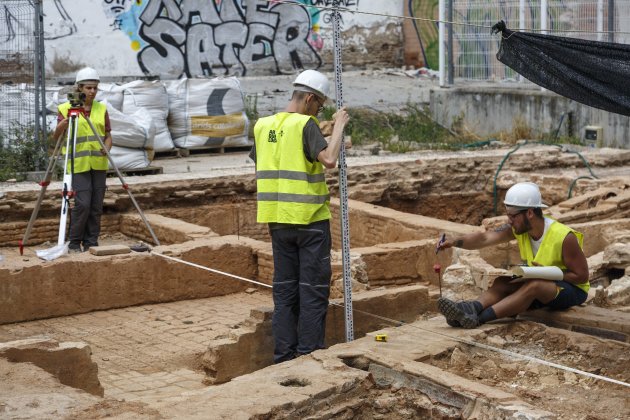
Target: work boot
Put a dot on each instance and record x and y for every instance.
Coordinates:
(467, 306)
(459, 314)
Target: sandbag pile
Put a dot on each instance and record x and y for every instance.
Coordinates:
(207, 113)
(155, 116)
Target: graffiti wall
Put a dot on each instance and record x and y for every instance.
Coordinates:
(175, 38)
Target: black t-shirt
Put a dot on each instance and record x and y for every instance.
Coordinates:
(313, 142)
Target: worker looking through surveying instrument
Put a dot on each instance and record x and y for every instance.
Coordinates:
(542, 242)
(293, 199)
(86, 159)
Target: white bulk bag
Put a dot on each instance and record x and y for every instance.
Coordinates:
(207, 113)
(152, 96)
(16, 105)
(136, 131)
(126, 158)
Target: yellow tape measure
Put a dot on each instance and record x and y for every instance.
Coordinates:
(380, 337)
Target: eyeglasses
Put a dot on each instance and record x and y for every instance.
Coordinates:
(511, 216)
(319, 103)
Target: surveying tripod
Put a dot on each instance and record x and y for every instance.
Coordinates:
(67, 192)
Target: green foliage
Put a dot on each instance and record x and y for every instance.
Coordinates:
(327, 113)
(19, 153)
(550, 138)
(411, 129)
(432, 52)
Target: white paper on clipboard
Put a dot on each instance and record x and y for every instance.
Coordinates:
(523, 273)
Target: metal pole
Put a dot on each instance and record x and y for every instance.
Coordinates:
(36, 79)
(521, 24)
(343, 184)
(611, 20)
(543, 23)
(543, 17)
(41, 51)
(451, 64)
(600, 19)
(441, 64)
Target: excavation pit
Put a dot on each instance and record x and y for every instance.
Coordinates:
(544, 386)
(180, 341)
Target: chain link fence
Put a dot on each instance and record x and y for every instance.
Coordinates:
(474, 48)
(22, 86)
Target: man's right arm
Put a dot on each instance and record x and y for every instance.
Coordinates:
(480, 240)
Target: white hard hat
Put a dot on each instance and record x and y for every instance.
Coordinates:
(312, 81)
(524, 194)
(87, 73)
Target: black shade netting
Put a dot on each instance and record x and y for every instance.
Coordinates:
(590, 72)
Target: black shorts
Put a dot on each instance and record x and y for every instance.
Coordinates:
(569, 295)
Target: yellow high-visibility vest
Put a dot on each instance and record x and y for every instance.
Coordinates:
(550, 251)
(290, 188)
(87, 154)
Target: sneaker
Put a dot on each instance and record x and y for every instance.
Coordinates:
(459, 314)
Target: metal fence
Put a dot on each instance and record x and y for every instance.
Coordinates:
(22, 86)
(474, 48)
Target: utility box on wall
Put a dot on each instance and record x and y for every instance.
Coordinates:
(593, 136)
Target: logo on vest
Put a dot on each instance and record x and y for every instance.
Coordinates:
(273, 138)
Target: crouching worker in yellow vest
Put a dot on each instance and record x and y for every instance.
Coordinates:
(90, 163)
(542, 242)
(293, 199)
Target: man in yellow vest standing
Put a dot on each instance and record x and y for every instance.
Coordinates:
(90, 163)
(542, 241)
(293, 199)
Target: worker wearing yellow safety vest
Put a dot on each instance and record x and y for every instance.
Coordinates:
(293, 199)
(542, 241)
(89, 165)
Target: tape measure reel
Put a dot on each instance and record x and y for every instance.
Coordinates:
(380, 337)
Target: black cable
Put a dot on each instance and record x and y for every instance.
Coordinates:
(415, 25)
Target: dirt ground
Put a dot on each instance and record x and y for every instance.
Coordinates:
(581, 397)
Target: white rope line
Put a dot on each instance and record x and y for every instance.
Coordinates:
(345, 9)
(399, 323)
(234, 276)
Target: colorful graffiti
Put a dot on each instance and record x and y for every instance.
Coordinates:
(204, 37)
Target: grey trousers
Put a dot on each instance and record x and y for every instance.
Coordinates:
(301, 287)
(85, 223)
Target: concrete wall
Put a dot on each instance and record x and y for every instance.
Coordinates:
(488, 110)
(171, 38)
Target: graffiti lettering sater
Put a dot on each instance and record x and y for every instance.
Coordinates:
(201, 38)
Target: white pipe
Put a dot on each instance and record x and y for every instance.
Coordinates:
(441, 49)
